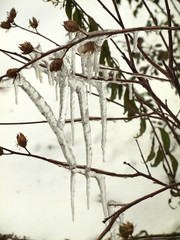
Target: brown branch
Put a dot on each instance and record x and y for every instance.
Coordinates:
(131, 204)
(170, 52)
(108, 33)
(66, 165)
(142, 156)
(95, 170)
(37, 33)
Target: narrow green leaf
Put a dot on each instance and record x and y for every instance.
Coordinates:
(152, 152)
(142, 127)
(129, 104)
(105, 55)
(78, 17)
(92, 25)
(159, 158)
(165, 138)
(68, 8)
(174, 163)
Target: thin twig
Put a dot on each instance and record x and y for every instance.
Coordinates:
(142, 156)
(131, 204)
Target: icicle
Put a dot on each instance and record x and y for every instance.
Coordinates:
(56, 90)
(114, 76)
(111, 210)
(101, 88)
(88, 184)
(96, 64)
(135, 41)
(38, 70)
(63, 88)
(83, 63)
(130, 91)
(102, 187)
(105, 74)
(73, 59)
(72, 189)
(16, 91)
(72, 108)
(83, 105)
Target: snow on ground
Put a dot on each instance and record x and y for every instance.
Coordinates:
(35, 195)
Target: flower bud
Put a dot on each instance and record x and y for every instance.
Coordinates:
(13, 13)
(5, 25)
(1, 151)
(34, 23)
(89, 47)
(12, 73)
(21, 140)
(56, 65)
(26, 47)
(71, 26)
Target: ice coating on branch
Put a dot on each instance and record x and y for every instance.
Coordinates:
(102, 187)
(101, 88)
(72, 190)
(46, 111)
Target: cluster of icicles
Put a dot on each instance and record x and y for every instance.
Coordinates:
(68, 83)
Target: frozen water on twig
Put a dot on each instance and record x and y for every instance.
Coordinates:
(101, 88)
(102, 187)
(83, 105)
(63, 89)
(72, 190)
(84, 111)
(16, 91)
(135, 41)
(47, 112)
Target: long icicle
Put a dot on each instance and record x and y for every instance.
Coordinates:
(83, 105)
(72, 109)
(101, 88)
(72, 190)
(102, 187)
(63, 88)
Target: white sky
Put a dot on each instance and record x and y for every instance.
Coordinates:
(35, 196)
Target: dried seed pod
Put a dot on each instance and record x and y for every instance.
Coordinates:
(56, 64)
(71, 26)
(21, 140)
(34, 23)
(13, 13)
(12, 72)
(89, 47)
(10, 19)
(1, 151)
(26, 47)
(5, 25)
(126, 230)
